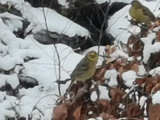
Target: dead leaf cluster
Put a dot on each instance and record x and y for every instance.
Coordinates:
(121, 104)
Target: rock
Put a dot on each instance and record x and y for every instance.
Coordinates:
(90, 16)
(9, 90)
(116, 6)
(27, 81)
(46, 38)
(12, 10)
(21, 32)
(53, 4)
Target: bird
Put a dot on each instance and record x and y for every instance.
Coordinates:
(141, 13)
(85, 69)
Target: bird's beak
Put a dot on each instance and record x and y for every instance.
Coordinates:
(92, 56)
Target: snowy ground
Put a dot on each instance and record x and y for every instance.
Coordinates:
(45, 68)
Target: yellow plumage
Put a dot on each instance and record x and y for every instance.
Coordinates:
(141, 13)
(85, 69)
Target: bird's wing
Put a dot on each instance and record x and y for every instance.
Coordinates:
(148, 13)
(139, 12)
(81, 67)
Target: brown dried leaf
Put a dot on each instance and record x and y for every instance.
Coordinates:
(120, 71)
(158, 36)
(116, 91)
(135, 67)
(132, 39)
(107, 47)
(107, 116)
(154, 112)
(99, 75)
(140, 81)
(116, 95)
(124, 47)
(134, 110)
(103, 105)
(111, 67)
(156, 24)
(60, 112)
(61, 98)
(150, 83)
(110, 49)
(156, 88)
(109, 60)
(77, 113)
(80, 93)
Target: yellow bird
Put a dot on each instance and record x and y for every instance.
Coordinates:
(85, 69)
(141, 13)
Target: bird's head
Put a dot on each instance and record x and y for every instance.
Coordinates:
(136, 4)
(92, 55)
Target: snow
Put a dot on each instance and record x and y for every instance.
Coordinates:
(112, 1)
(142, 70)
(2, 96)
(154, 71)
(148, 47)
(119, 53)
(45, 67)
(103, 93)
(156, 98)
(119, 20)
(40, 16)
(32, 97)
(10, 79)
(142, 101)
(129, 77)
(94, 96)
(9, 62)
(10, 16)
(111, 78)
(5, 105)
(63, 2)
(98, 118)
(55, 22)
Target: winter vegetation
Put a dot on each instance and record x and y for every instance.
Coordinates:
(41, 43)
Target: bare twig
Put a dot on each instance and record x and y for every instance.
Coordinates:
(105, 56)
(55, 47)
(132, 89)
(156, 6)
(103, 24)
(90, 21)
(35, 106)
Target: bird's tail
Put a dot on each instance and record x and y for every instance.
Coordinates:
(69, 88)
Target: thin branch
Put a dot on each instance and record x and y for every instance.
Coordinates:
(103, 24)
(156, 6)
(104, 56)
(131, 90)
(35, 106)
(90, 21)
(117, 20)
(127, 31)
(59, 62)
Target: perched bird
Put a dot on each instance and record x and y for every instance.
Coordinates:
(141, 13)
(85, 69)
